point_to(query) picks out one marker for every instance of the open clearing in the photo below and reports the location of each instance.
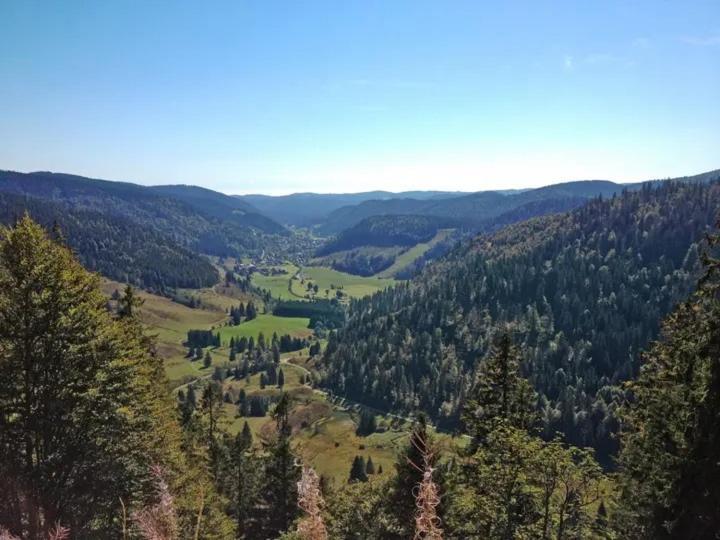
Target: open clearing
(279, 284)
(414, 253)
(323, 433)
(328, 279)
(267, 324)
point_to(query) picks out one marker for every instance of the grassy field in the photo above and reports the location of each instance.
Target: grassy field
(267, 324)
(278, 285)
(170, 322)
(328, 279)
(323, 433)
(412, 254)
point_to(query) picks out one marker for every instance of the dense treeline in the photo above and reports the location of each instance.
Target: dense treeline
(388, 230)
(584, 292)
(85, 417)
(116, 247)
(362, 261)
(328, 313)
(187, 215)
(670, 459)
(91, 447)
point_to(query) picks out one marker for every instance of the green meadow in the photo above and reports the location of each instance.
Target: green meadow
(267, 324)
(328, 279)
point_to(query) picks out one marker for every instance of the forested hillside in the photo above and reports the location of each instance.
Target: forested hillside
(384, 231)
(117, 248)
(151, 237)
(94, 448)
(583, 293)
(190, 216)
(475, 209)
(485, 210)
(224, 207)
(307, 209)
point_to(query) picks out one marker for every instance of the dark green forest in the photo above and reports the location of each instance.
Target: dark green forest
(118, 248)
(94, 447)
(385, 231)
(582, 293)
(195, 219)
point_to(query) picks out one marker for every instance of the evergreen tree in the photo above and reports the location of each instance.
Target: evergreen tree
(128, 302)
(369, 466)
(281, 379)
(357, 470)
(84, 411)
(212, 404)
(669, 459)
(500, 394)
(279, 495)
(243, 478)
(408, 469)
(367, 424)
(207, 360)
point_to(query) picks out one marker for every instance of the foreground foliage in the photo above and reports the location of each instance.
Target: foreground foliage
(83, 411)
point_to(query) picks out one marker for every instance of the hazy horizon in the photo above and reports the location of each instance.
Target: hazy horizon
(279, 98)
(438, 190)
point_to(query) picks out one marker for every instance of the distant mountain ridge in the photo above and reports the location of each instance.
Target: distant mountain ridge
(167, 227)
(474, 209)
(306, 209)
(331, 213)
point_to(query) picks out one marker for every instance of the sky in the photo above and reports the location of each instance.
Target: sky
(341, 96)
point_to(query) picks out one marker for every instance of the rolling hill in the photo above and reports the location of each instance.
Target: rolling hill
(307, 209)
(151, 237)
(485, 209)
(583, 293)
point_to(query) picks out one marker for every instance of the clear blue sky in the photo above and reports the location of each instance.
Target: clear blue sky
(336, 95)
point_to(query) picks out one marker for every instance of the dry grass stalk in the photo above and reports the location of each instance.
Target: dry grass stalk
(5, 535)
(310, 500)
(427, 499)
(159, 521)
(58, 532)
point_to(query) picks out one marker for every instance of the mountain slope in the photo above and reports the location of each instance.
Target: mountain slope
(306, 209)
(479, 210)
(187, 215)
(220, 206)
(116, 247)
(472, 209)
(383, 231)
(583, 291)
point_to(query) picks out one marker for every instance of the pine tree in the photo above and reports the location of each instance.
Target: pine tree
(128, 302)
(669, 458)
(281, 379)
(369, 466)
(279, 495)
(84, 410)
(409, 475)
(243, 478)
(212, 404)
(500, 394)
(207, 361)
(357, 470)
(367, 424)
